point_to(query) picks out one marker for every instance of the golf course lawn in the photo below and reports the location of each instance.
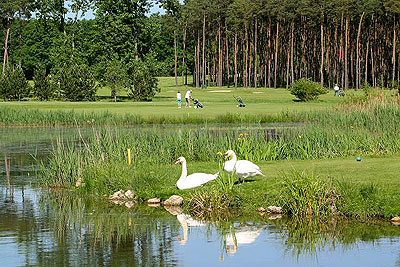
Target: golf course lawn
(217, 101)
(381, 172)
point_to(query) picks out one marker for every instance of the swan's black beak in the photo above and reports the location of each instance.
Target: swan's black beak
(177, 161)
(226, 155)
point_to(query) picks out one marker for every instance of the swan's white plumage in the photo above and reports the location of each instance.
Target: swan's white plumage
(242, 168)
(192, 180)
(241, 236)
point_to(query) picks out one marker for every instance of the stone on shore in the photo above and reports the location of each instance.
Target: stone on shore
(395, 220)
(118, 195)
(155, 200)
(261, 210)
(129, 204)
(274, 209)
(129, 194)
(174, 200)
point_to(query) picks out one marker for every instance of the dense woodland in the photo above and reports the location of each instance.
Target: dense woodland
(249, 43)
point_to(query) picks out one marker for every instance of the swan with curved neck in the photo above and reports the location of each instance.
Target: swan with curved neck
(242, 168)
(193, 180)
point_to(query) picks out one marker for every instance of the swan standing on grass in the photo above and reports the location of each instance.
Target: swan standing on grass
(193, 180)
(242, 168)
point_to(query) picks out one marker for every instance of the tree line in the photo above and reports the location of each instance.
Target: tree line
(249, 43)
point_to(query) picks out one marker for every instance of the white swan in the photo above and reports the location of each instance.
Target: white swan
(242, 236)
(242, 168)
(186, 222)
(193, 180)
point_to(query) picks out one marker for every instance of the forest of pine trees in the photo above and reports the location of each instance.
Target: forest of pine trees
(249, 43)
(270, 43)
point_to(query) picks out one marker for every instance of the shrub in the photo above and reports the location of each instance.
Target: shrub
(77, 83)
(305, 89)
(115, 77)
(43, 88)
(142, 82)
(13, 84)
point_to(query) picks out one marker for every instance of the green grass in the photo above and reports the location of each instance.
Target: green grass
(260, 102)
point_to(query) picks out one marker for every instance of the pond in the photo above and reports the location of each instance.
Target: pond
(45, 227)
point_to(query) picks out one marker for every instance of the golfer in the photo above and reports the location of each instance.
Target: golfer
(336, 89)
(188, 97)
(179, 99)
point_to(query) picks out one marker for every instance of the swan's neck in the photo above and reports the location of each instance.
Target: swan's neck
(234, 159)
(184, 173)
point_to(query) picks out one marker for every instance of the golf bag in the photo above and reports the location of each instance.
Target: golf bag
(197, 104)
(240, 101)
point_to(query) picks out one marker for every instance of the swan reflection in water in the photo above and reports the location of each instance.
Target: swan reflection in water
(241, 235)
(186, 221)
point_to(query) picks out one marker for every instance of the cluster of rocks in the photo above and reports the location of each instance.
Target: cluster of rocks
(121, 198)
(174, 200)
(272, 211)
(128, 199)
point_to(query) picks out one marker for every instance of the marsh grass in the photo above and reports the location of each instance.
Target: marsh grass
(305, 194)
(10, 116)
(217, 199)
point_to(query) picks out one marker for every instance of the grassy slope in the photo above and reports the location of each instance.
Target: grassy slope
(264, 191)
(259, 101)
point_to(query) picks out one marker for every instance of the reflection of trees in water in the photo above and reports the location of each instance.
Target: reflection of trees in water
(101, 233)
(67, 230)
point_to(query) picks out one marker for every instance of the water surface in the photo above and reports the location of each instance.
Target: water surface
(44, 227)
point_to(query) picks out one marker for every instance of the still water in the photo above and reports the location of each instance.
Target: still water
(44, 227)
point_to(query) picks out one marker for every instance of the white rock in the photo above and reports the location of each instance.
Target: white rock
(274, 209)
(174, 200)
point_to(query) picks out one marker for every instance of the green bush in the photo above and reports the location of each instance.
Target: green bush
(43, 88)
(13, 84)
(77, 83)
(115, 77)
(142, 82)
(305, 89)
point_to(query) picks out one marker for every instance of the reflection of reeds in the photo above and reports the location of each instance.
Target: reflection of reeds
(99, 222)
(7, 165)
(309, 235)
(215, 202)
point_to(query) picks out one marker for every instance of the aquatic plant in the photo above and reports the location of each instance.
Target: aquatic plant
(305, 194)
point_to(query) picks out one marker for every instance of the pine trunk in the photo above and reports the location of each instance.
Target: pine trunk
(204, 51)
(235, 77)
(346, 67)
(255, 55)
(358, 53)
(394, 52)
(184, 58)
(321, 70)
(175, 59)
(276, 54)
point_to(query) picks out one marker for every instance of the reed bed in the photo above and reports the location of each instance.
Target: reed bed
(35, 117)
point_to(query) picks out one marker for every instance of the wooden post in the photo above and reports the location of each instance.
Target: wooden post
(129, 156)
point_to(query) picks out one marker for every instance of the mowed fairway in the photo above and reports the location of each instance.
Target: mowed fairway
(216, 101)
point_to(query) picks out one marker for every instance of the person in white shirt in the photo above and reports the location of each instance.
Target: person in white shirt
(336, 89)
(188, 97)
(179, 99)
